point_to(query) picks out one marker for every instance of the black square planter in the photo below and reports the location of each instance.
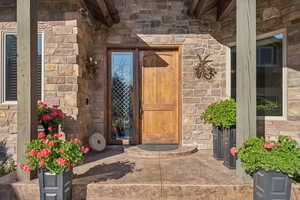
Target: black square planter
(218, 150)
(229, 141)
(271, 186)
(55, 186)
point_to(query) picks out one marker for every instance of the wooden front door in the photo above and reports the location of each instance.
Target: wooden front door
(159, 105)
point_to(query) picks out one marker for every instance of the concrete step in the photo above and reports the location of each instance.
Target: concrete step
(140, 151)
(168, 192)
(96, 191)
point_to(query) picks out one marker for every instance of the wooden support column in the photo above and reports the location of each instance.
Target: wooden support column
(246, 72)
(27, 50)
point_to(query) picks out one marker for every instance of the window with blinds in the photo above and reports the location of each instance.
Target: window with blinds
(10, 68)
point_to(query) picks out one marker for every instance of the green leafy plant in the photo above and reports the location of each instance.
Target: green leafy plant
(7, 163)
(282, 155)
(50, 116)
(54, 154)
(222, 114)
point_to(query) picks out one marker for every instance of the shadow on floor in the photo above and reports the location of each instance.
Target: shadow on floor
(101, 172)
(108, 152)
(105, 172)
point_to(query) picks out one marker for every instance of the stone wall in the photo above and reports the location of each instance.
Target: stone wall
(148, 22)
(71, 39)
(273, 15)
(64, 61)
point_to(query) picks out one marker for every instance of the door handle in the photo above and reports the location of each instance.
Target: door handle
(141, 109)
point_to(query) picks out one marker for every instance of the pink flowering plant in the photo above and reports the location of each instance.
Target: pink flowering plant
(52, 153)
(282, 156)
(50, 116)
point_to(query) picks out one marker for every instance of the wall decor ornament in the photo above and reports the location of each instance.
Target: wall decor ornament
(203, 70)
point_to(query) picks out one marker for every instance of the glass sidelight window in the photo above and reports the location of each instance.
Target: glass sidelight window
(269, 67)
(122, 90)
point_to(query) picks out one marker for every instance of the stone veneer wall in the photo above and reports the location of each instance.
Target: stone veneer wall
(70, 41)
(149, 22)
(273, 15)
(62, 25)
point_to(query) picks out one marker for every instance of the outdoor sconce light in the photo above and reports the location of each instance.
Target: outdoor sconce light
(91, 67)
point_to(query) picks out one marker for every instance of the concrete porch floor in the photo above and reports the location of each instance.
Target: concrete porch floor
(113, 175)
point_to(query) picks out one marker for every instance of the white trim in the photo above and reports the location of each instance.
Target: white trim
(228, 72)
(3, 35)
(43, 67)
(284, 73)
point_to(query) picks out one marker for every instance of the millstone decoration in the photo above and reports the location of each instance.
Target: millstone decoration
(203, 70)
(97, 142)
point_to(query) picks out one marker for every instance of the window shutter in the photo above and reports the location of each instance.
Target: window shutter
(11, 68)
(39, 67)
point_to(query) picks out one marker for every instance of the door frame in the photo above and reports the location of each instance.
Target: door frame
(137, 81)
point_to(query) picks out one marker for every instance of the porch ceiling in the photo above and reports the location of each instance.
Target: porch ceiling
(103, 11)
(222, 8)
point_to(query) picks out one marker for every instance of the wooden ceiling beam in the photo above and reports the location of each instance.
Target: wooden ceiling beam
(204, 6)
(192, 8)
(225, 8)
(104, 9)
(113, 11)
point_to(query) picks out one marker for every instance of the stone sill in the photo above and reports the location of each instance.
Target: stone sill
(8, 106)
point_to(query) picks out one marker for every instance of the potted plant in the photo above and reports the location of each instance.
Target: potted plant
(49, 117)
(222, 116)
(209, 116)
(118, 128)
(273, 165)
(54, 159)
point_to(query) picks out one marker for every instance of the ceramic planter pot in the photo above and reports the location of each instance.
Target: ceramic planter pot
(55, 186)
(218, 150)
(229, 141)
(271, 186)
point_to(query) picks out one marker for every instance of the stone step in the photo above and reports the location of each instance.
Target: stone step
(168, 192)
(140, 151)
(97, 191)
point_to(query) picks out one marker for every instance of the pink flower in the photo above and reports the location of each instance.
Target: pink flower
(50, 143)
(41, 135)
(268, 145)
(85, 149)
(42, 163)
(76, 140)
(49, 128)
(43, 153)
(234, 151)
(55, 114)
(46, 117)
(26, 168)
(57, 135)
(209, 116)
(72, 164)
(62, 115)
(62, 151)
(62, 161)
(33, 152)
